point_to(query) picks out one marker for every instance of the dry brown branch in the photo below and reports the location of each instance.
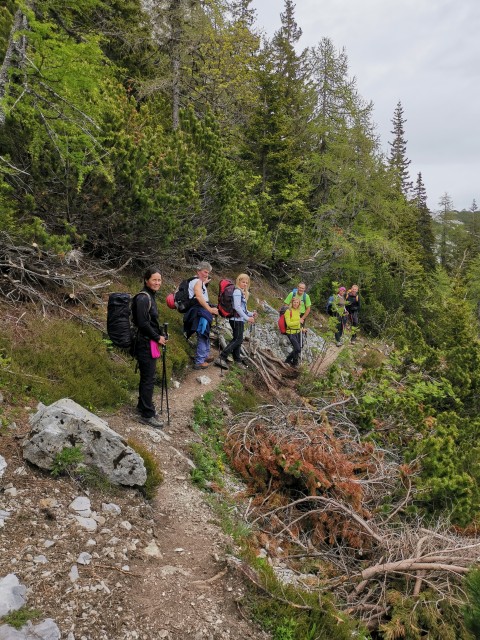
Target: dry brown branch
(320, 489)
(333, 504)
(217, 576)
(28, 274)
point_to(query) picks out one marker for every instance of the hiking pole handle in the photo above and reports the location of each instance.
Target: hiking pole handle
(165, 330)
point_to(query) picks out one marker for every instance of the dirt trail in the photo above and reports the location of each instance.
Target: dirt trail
(187, 592)
(184, 591)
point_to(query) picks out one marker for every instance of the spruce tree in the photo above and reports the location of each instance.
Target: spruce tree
(278, 138)
(398, 160)
(474, 227)
(424, 225)
(446, 205)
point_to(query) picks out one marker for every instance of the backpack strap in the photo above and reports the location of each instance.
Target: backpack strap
(148, 296)
(304, 297)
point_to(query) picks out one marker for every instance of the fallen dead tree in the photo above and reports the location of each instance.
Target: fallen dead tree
(319, 492)
(28, 274)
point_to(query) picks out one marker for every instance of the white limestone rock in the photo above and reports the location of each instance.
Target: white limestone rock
(66, 424)
(12, 594)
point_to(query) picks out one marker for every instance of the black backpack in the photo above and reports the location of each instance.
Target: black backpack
(120, 327)
(182, 300)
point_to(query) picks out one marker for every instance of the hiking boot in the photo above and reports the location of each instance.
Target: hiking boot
(240, 364)
(220, 362)
(200, 366)
(338, 343)
(210, 359)
(152, 422)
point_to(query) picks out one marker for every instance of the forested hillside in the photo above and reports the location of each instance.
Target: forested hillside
(171, 131)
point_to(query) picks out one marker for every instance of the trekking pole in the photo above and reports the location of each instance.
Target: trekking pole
(301, 345)
(164, 375)
(219, 347)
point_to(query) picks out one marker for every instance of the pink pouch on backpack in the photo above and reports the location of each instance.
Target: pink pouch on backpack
(154, 349)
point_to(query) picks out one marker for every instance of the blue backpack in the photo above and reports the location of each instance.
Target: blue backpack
(329, 307)
(304, 297)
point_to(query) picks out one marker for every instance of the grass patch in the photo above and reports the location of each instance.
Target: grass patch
(242, 396)
(208, 454)
(65, 360)
(289, 613)
(154, 473)
(17, 619)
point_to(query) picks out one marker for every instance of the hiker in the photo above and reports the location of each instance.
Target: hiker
(237, 322)
(198, 319)
(145, 318)
(341, 314)
(295, 330)
(305, 302)
(352, 305)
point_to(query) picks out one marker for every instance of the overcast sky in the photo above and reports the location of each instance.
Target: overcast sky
(425, 53)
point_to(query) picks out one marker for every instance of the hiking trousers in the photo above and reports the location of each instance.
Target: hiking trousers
(235, 343)
(148, 373)
(294, 355)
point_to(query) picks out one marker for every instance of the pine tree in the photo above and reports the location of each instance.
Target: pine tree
(446, 206)
(279, 138)
(398, 160)
(474, 227)
(424, 225)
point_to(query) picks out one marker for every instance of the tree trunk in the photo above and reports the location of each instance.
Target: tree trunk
(15, 55)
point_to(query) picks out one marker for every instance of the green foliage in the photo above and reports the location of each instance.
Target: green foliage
(471, 610)
(17, 619)
(36, 233)
(67, 461)
(61, 359)
(6, 19)
(424, 617)
(154, 473)
(207, 454)
(242, 396)
(315, 618)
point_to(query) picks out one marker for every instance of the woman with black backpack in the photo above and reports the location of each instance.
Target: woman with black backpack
(148, 343)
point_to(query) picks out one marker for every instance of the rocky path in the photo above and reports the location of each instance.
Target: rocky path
(139, 571)
(185, 589)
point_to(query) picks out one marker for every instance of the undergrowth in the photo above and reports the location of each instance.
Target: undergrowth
(208, 454)
(17, 619)
(63, 360)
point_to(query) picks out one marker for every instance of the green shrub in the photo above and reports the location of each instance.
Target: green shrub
(471, 611)
(208, 455)
(67, 461)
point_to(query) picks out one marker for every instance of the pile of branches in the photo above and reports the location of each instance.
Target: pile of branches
(28, 274)
(319, 491)
(271, 369)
